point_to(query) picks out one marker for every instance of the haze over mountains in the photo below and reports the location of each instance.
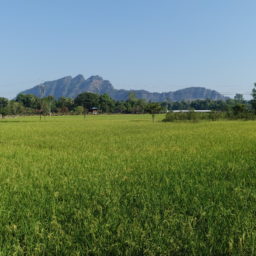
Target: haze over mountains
(71, 87)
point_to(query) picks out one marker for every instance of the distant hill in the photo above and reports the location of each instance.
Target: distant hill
(71, 87)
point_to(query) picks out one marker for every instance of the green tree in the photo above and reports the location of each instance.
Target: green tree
(15, 108)
(45, 106)
(239, 98)
(64, 104)
(28, 100)
(132, 97)
(48, 104)
(42, 103)
(132, 103)
(79, 110)
(238, 109)
(120, 107)
(153, 108)
(139, 106)
(253, 101)
(106, 103)
(3, 106)
(87, 99)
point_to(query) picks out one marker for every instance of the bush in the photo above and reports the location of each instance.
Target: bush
(185, 116)
(79, 110)
(213, 116)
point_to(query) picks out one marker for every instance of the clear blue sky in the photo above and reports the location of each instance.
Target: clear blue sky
(159, 45)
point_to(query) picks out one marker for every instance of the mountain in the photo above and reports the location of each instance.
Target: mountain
(71, 87)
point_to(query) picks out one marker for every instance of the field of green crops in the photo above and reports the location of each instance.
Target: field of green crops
(122, 185)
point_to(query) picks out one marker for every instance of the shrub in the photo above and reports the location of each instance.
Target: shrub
(235, 114)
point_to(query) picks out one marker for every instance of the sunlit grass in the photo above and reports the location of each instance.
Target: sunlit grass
(121, 185)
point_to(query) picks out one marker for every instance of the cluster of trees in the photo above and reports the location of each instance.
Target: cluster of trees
(214, 115)
(83, 103)
(216, 105)
(236, 108)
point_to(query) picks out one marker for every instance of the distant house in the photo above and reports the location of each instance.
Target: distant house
(94, 110)
(196, 111)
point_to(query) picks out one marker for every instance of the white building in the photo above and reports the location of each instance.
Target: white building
(196, 111)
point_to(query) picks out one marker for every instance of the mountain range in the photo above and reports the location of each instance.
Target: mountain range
(71, 87)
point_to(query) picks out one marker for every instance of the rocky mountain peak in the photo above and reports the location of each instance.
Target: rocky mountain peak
(71, 87)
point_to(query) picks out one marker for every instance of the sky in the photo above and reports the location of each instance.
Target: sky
(160, 45)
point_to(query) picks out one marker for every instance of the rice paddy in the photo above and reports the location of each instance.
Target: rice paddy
(122, 185)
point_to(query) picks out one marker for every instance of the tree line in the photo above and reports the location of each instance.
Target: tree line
(28, 104)
(237, 108)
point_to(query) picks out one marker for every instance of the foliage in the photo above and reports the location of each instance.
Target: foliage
(187, 116)
(238, 112)
(3, 106)
(239, 98)
(239, 109)
(106, 103)
(153, 108)
(30, 104)
(253, 101)
(15, 108)
(88, 100)
(28, 100)
(79, 110)
(64, 105)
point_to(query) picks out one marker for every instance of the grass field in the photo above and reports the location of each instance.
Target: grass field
(121, 185)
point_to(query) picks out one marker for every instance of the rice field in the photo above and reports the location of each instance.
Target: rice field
(122, 185)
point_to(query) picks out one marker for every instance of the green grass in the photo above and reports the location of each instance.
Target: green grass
(121, 185)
